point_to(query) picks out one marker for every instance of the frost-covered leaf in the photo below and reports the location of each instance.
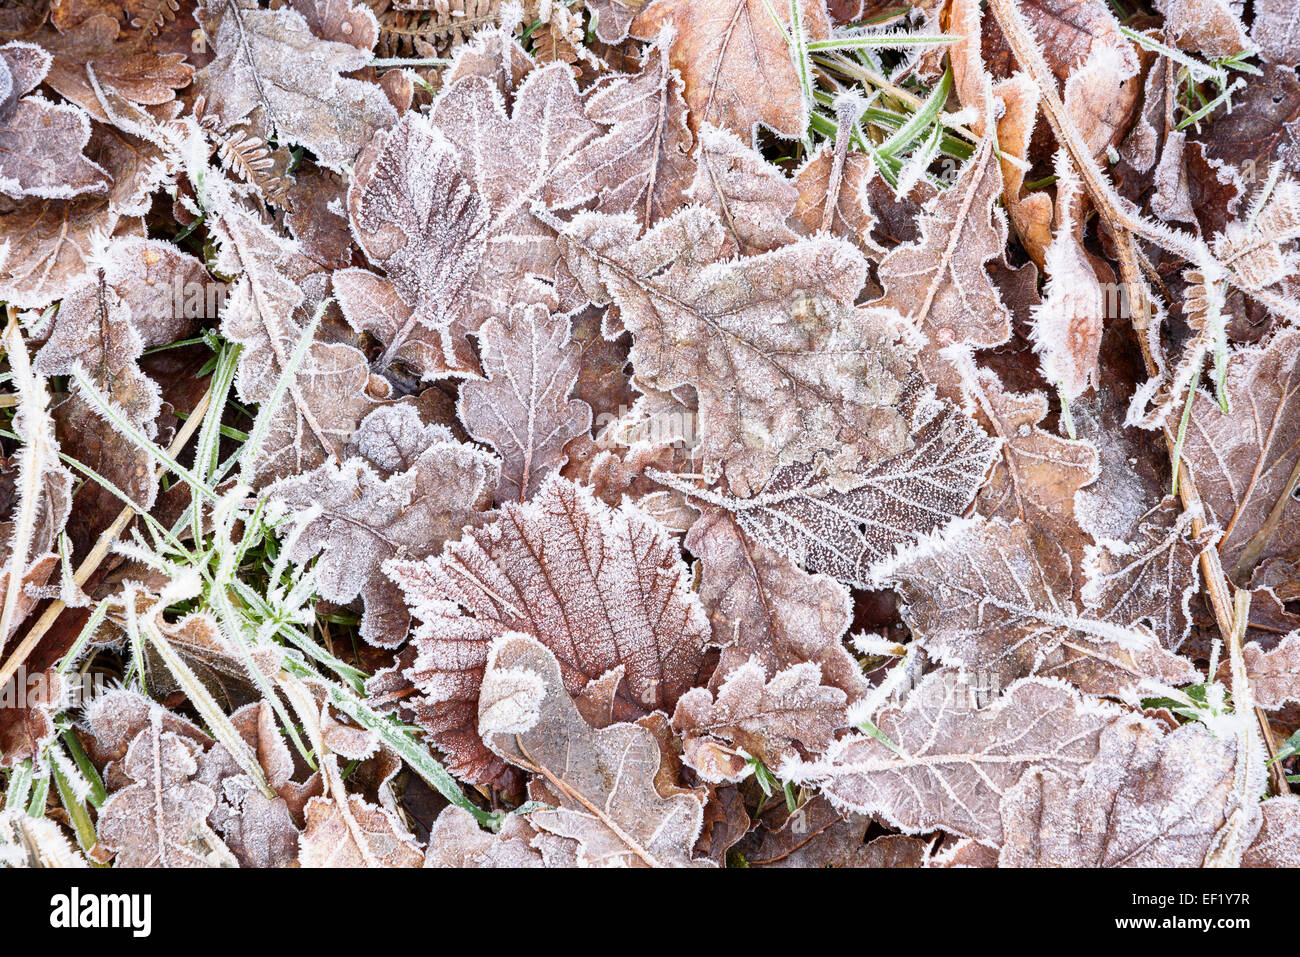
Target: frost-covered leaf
(1278, 841)
(1274, 674)
(265, 312)
(43, 141)
(735, 61)
(357, 834)
(764, 608)
(644, 164)
(784, 365)
(601, 587)
(939, 282)
(955, 762)
(776, 720)
(817, 835)
(1244, 461)
(1151, 579)
(1149, 799)
(1037, 474)
(752, 198)
(46, 245)
(416, 215)
(456, 840)
(848, 215)
(1068, 322)
(599, 782)
(524, 409)
(538, 152)
(413, 488)
(1210, 27)
(996, 598)
(160, 818)
(803, 514)
(270, 59)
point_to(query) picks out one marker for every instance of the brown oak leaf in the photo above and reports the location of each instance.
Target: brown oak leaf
(524, 409)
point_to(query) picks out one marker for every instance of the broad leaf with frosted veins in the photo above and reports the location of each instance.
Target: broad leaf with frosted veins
(416, 215)
(952, 762)
(43, 141)
(1152, 579)
(602, 587)
(1244, 461)
(996, 598)
(850, 534)
(270, 59)
(1149, 799)
(735, 61)
(790, 716)
(599, 782)
(939, 282)
(524, 409)
(644, 163)
(765, 608)
(784, 365)
(370, 513)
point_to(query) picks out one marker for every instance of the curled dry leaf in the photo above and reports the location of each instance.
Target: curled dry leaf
(600, 782)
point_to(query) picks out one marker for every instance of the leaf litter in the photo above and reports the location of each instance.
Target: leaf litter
(725, 432)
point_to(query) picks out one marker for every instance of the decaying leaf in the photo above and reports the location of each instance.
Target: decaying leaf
(600, 782)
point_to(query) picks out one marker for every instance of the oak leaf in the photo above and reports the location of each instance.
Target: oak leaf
(524, 409)
(413, 488)
(270, 59)
(791, 715)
